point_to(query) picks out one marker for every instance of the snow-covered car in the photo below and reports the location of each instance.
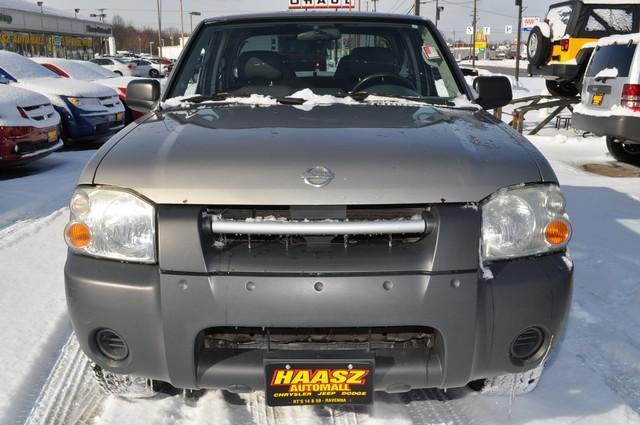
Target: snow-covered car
(89, 71)
(559, 48)
(29, 126)
(88, 111)
(147, 68)
(115, 65)
(610, 103)
(318, 235)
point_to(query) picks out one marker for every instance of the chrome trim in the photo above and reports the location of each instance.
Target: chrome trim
(377, 227)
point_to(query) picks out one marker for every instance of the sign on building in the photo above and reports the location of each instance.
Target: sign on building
(321, 4)
(529, 22)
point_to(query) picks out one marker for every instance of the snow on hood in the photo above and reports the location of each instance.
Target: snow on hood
(620, 39)
(11, 97)
(66, 87)
(311, 100)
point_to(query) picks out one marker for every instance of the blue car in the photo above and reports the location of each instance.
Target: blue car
(89, 111)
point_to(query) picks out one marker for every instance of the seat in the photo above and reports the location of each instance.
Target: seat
(265, 72)
(365, 61)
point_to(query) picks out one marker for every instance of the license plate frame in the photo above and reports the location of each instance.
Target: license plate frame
(319, 380)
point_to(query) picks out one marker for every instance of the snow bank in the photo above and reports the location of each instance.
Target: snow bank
(32, 309)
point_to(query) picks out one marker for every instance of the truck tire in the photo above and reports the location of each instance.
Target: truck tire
(538, 47)
(563, 89)
(624, 152)
(513, 383)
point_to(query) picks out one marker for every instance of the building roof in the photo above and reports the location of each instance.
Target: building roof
(31, 6)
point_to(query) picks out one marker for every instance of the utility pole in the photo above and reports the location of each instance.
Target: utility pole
(181, 25)
(439, 9)
(519, 39)
(375, 5)
(416, 8)
(159, 3)
(473, 37)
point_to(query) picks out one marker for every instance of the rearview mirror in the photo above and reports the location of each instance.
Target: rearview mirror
(494, 92)
(142, 95)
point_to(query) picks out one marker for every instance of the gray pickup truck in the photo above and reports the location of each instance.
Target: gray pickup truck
(318, 207)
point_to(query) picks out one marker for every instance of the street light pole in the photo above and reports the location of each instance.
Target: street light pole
(181, 25)
(151, 43)
(191, 15)
(473, 37)
(416, 8)
(519, 39)
(159, 4)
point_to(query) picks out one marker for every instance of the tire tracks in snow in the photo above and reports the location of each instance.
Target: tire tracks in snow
(70, 395)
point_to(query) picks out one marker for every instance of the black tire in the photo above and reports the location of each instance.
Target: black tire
(538, 47)
(153, 73)
(624, 152)
(562, 88)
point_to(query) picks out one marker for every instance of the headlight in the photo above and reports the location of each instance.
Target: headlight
(83, 102)
(524, 220)
(111, 224)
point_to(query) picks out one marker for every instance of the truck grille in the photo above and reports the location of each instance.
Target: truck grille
(318, 338)
(331, 224)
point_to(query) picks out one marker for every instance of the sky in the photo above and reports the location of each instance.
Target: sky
(455, 17)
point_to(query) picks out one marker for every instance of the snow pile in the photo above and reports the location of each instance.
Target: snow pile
(619, 39)
(607, 73)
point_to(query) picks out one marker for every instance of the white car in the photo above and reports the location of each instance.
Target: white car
(29, 123)
(89, 71)
(118, 66)
(89, 111)
(147, 68)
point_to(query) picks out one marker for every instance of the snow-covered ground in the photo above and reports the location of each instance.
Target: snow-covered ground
(594, 377)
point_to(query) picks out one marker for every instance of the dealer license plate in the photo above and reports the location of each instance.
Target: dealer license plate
(303, 382)
(119, 116)
(597, 99)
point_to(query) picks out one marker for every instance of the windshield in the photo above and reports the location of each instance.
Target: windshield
(21, 68)
(279, 59)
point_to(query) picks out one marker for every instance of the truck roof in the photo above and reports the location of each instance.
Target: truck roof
(314, 16)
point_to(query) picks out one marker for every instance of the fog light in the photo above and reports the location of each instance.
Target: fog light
(111, 345)
(527, 344)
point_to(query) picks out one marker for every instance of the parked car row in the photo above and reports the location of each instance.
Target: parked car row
(48, 102)
(154, 67)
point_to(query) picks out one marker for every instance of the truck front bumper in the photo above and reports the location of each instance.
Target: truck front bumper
(161, 316)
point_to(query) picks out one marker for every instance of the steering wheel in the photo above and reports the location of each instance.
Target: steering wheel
(383, 77)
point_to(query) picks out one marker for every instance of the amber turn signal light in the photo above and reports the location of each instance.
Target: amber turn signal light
(557, 232)
(78, 235)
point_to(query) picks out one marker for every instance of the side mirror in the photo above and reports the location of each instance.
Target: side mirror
(142, 95)
(493, 92)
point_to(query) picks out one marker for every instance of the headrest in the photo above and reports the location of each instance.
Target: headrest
(263, 65)
(364, 61)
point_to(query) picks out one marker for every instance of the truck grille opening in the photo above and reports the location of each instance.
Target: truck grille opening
(527, 343)
(293, 225)
(318, 338)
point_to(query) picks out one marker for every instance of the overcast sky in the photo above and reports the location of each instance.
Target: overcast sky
(456, 16)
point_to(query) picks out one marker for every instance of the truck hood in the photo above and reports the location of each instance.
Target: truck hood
(243, 155)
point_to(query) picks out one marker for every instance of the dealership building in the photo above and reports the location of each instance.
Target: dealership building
(32, 29)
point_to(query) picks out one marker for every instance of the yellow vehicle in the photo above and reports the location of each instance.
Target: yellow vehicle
(560, 47)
